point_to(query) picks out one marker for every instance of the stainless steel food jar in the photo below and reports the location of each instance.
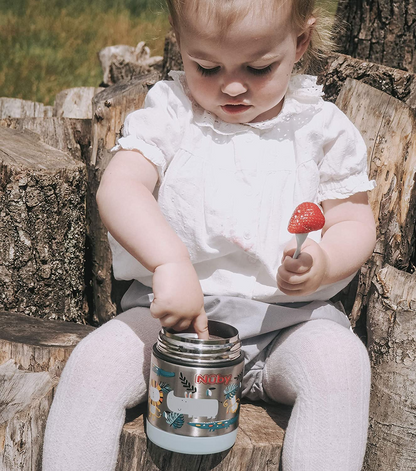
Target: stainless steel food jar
(194, 390)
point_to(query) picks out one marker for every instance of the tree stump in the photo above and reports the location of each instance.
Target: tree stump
(110, 108)
(17, 108)
(42, 228)
(65, 134)
(75, 103)
(388, 126)
(258, 445)
(33, 353)
(337, 68)
(391, 323)
(126, 63)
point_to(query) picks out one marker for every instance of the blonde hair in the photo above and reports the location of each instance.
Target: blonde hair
(227, 12)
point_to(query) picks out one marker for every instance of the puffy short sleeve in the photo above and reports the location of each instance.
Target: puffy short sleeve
(343, 168)
(156, 130)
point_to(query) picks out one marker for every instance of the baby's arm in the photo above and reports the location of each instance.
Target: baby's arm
(348, 239)
(132, 215)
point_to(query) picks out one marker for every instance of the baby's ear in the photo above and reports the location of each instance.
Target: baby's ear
(304, 38)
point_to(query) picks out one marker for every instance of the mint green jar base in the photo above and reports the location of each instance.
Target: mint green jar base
(190, 445)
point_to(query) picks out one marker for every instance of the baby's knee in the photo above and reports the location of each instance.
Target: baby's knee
(107, 351)
(337, 358)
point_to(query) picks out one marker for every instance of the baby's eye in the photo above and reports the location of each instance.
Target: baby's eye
(207, 72)
(262, 71)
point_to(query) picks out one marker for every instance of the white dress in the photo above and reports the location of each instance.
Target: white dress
(229, 190)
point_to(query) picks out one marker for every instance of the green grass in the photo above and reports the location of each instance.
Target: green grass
(50, 45)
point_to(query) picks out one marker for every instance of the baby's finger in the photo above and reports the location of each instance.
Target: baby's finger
(156, 311)
(290, 276)
(183, 324)
(302, 264)
(289, 287)
(200, 324)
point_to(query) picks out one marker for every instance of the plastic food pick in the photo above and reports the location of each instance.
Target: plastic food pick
(307, 217)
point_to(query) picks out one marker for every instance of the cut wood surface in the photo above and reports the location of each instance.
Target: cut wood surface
(75, 102)
(42, 228)
(66, 134)
(38, 344)
(110, 108)
(391, 324)
(388, 127)
(258, 445)
(17, 108)
(33, 353)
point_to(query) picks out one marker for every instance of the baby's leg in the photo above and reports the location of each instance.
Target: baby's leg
(323, 369)
(106, 373)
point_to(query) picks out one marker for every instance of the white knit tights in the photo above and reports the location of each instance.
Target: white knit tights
(319, 366)
(324, 370)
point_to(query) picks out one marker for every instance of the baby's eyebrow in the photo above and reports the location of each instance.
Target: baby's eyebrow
(197, 55)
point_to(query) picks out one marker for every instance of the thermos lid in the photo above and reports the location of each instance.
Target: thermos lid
(223, 345)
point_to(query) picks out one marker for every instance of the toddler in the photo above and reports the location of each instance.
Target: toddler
(197, 200)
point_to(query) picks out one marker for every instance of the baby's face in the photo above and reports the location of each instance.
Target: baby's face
(244, 76)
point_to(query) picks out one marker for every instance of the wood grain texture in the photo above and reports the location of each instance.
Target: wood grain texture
(391, 323)
(388, 127)
(68, 135)
(17, 108)
(75, 102)
(258, 445)
(25, 399)
(38, 344)
(110, 108)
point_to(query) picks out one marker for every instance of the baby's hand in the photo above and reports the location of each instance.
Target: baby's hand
(178, 298)
(304, 275)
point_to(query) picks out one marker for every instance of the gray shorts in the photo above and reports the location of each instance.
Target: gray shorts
(258, 323)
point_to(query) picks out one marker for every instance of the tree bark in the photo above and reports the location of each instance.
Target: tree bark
(42, 228)
(110, 108)
(391, 324)
(337, 68)
(172, 59)
(381, 31)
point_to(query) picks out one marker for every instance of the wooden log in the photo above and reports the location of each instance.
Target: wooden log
(258, 445)
(38, 344)
(337, 68)
(172, 59)
(391, 323)
(388, 127)
(33, 353)
(126, 63)
(25, 399)
(66, 134)
(75, 102)
(42, 228)
(110, 108)
(17, 108)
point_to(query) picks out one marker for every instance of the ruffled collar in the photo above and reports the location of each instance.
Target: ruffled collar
(303, 96)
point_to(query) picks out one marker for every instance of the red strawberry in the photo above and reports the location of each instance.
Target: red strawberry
(307, 217)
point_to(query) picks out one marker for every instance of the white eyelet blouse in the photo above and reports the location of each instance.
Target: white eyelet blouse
(229, 190)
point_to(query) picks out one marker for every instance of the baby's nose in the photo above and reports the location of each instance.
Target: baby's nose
(234, 88)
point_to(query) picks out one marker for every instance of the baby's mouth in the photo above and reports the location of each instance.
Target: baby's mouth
(234, 109)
